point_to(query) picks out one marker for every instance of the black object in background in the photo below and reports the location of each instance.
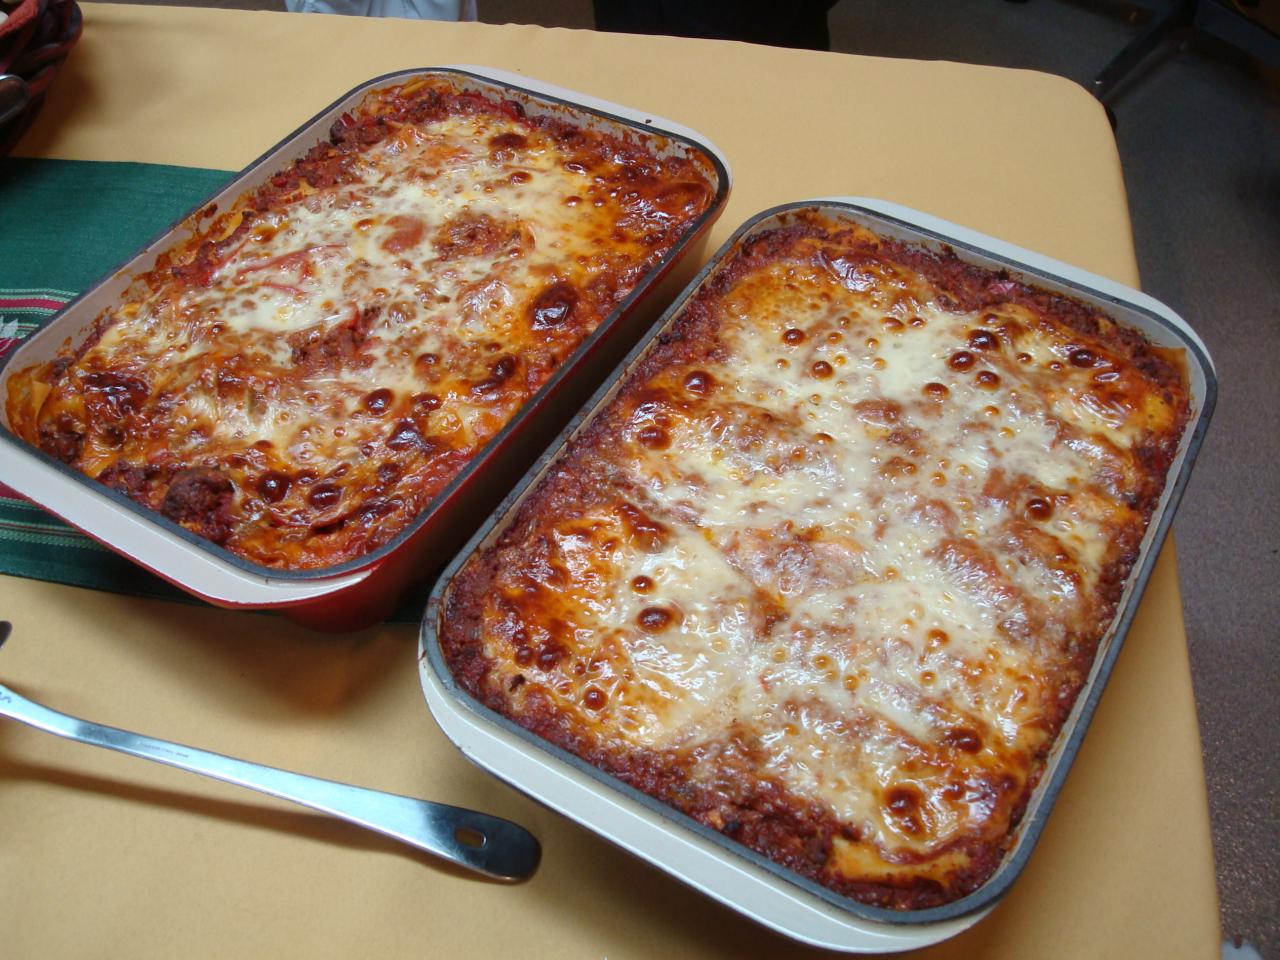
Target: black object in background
(799, 23)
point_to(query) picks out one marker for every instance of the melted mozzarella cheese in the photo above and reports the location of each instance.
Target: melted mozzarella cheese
(313, 267)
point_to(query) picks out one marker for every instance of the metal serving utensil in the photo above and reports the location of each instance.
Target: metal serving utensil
(489, 845)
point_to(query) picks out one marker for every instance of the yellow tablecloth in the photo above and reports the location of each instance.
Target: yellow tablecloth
(106, 856)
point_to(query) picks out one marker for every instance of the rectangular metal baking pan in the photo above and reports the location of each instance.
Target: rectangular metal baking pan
(703, 858)
(361, 591)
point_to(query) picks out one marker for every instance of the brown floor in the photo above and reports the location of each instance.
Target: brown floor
(1199, 136)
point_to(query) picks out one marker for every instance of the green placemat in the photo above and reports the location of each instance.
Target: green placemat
(63, 225)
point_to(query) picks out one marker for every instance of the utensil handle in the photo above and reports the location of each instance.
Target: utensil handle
(489, 845)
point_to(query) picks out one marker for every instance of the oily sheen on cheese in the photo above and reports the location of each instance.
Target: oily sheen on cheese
(297, 381)
(828, 572)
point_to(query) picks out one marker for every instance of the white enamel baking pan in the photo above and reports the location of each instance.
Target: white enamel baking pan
(703, 858)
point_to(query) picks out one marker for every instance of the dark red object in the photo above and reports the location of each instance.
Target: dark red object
(34, 42)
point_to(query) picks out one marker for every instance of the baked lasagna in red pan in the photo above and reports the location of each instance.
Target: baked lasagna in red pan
(297, 379)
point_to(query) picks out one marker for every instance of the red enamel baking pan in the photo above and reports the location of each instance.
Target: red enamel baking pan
(362, 591)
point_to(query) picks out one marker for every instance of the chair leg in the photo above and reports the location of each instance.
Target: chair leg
(1153, 34)
(1238, 30)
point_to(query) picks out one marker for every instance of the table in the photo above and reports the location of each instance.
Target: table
(107, 856)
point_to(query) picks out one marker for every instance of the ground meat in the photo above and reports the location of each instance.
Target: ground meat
(199, 499)
(471, 235)
(62, 438)
(320, 348)
(131, 479)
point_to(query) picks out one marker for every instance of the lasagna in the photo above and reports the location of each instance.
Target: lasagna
(299, 378)
(828, 571)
